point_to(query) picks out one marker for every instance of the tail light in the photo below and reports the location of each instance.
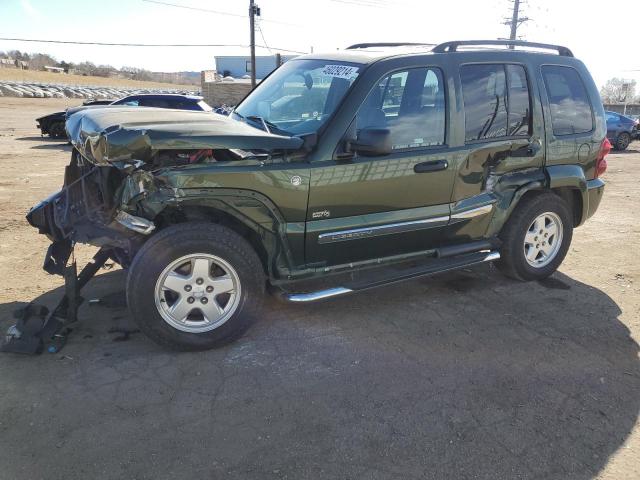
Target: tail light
(601, 161)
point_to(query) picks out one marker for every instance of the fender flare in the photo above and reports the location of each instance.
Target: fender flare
(555, 177)
(250, 208)
(571, 177)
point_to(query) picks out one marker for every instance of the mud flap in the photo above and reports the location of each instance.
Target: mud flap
(36, 326)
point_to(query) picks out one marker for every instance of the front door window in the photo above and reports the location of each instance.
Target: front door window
(411, 104)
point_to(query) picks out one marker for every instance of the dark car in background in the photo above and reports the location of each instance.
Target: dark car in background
(93, 101)
(53, 124)
(621, 130)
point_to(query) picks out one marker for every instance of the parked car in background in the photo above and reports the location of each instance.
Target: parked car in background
(636, 134)
(93, 101)
(54, 124)
(621, 130)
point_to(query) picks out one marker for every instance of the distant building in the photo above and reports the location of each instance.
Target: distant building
(239, 67)
(628, 109)
(12, 63)
(54, 69)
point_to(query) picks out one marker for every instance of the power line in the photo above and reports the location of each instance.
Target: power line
(217, 12)
(362, 3)
(187, 7)
(114, 44)
(262, 36)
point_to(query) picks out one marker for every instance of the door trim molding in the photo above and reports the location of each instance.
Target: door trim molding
(380, 230)
(474, 212)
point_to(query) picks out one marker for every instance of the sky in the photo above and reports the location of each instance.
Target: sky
(603, 39)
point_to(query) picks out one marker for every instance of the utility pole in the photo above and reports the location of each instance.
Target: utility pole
(253, 10)
(516, 20)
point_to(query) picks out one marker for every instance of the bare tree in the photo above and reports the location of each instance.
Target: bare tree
(137, 73)
(85, 68)
(618, 90)
(40, 60)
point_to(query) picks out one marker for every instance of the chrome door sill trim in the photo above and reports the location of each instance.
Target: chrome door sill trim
(319, 295)
(490, 256)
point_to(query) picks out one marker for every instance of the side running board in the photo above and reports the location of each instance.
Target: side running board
(378, 279)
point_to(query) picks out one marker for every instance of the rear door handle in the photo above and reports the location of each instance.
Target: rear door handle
(433, 166)
(529, 150)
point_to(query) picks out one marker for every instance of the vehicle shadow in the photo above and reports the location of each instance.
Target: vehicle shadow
(625, 152)
(52, 143)
(54, 146)
(35, 138)
(463, 375)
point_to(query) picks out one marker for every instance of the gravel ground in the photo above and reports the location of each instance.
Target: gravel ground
(464, 375)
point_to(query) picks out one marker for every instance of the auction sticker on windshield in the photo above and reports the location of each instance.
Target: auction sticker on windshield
(340, 71)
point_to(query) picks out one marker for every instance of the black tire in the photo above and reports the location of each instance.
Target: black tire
(623, 141)
(513, 262)
(56, 130)
(181, 240)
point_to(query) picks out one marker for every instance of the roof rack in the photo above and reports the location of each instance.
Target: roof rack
(453, 46)
(389, 44)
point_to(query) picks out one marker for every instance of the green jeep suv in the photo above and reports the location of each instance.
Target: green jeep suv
(339, 172)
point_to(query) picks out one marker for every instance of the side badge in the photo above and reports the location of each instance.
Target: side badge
(321, 214)
(296, 180)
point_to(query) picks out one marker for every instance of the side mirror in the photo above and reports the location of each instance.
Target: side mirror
(372, 142)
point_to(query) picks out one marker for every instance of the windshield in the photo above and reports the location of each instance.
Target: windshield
(298, 97)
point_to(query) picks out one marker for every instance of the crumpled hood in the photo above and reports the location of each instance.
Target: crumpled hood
(116, 134)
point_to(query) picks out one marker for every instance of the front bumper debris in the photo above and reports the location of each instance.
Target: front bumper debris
(37, 326)
(85, 211)
(81, 204)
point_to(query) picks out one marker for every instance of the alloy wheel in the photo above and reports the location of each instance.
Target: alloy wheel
(543, 239)
(197, 293)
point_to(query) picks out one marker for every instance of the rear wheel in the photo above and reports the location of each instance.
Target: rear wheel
(623, 141)
(195, 286)
(56, 130)
(536, 237)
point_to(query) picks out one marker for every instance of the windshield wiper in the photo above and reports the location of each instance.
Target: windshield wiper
(262, 121)
(267, 126)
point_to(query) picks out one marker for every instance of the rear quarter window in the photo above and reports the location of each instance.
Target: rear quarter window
(569, 103)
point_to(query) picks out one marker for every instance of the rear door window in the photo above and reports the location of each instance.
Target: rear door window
(484, 91)
(496, 101)
(518, 102)
(568, 100)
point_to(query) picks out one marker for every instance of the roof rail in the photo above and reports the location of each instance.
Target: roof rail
(453, 46)
(388, 44)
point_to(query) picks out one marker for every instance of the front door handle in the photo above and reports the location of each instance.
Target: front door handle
(433, 166)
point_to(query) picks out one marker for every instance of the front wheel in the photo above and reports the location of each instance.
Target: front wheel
(536, 237)
(56, 130)
(195, 286)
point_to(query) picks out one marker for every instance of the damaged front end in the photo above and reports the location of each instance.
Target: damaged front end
(86, 210)
(122, 156)
(117, 183)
